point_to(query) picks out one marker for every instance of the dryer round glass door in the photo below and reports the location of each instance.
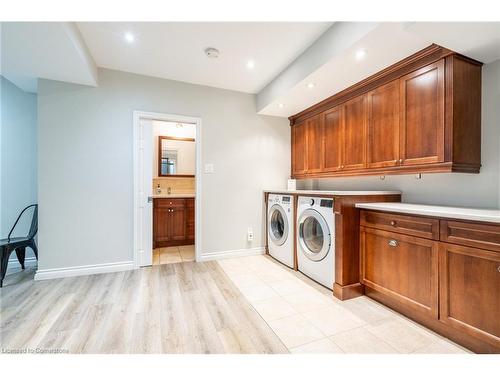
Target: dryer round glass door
(314, 235)
(278, 225)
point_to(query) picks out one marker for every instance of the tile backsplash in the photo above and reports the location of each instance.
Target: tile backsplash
(177, 184)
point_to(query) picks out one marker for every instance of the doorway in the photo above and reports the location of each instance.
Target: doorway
(167, 188)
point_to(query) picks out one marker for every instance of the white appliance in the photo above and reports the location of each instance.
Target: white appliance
(315, 239)
(280, 228)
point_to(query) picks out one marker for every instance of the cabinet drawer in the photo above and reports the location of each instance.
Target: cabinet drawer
(401, 267)
(169, 202)
(484, 236)
(411, 225)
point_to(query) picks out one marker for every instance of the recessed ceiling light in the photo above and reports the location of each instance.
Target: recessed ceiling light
(311, 85)
(212, 53)
(360, 54)
(281, 105)
(251, 64)
(129, 37)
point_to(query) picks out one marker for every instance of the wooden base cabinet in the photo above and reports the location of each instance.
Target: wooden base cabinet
(470, 291)
(418, 266)
(173, 222)
(403, 267)
(422, 114)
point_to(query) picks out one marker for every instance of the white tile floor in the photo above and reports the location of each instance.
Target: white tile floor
(308, 319)
(173, 254)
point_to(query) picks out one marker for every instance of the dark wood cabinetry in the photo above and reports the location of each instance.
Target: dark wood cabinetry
(173, 222)
(442, 273)
(423, 114)
(314, 148)
(403, 267)
(470, 291)
(333, 139)
(299, 147)
(383, 126)
(354, 134)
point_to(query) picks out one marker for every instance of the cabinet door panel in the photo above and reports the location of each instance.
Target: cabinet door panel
(470, 291)
(314, 149)
(355, 115)
(177, 223)
(383, 126)
(422, 115)
(299, 148)
(190, 221)
(160, 224)
(404, 268)
(333, 139)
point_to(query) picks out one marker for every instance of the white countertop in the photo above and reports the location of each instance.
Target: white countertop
(174, 195)
(476, 214)
(333, 192)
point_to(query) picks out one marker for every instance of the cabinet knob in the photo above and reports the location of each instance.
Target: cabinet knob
(393, 243)
(400, 161)
(170, 202)
(498, 268)
(393, 223)
(342, 166)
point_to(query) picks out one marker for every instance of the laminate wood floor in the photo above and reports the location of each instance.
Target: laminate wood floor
(173, 308)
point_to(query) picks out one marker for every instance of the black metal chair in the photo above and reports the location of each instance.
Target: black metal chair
(18, 244)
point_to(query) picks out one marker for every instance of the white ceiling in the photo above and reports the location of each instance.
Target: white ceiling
(175, 50)
(384, 46)
(51, 50)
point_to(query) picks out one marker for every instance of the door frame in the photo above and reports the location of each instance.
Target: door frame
(145, 115)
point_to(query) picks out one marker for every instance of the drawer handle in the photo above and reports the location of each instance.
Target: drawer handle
(393, 243)
(393, 223)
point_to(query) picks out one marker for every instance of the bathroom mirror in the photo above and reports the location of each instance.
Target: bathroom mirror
(176, 156)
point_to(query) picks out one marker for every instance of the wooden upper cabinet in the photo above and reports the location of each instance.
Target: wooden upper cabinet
(314, 149)
(333, 139)
(383, 126)
(299, 147)
(354, 134)
(422, 115)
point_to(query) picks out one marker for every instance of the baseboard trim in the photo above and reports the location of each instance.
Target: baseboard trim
(14, 266)
(231, 254)
(56, 273)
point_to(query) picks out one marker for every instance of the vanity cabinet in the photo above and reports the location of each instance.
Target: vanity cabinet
(173, 222)
(443, 273)
(422, 114)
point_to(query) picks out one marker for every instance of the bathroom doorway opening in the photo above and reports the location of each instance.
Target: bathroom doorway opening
(167, 188)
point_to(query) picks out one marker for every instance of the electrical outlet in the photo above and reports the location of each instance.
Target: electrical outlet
(250, 234)
(209, 168)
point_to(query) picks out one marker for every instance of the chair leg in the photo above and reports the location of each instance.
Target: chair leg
(4, 261)
(34, 248)
(21, 255)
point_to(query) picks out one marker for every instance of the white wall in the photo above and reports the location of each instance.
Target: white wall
(18, 177)
(469, 190)
(85, 164)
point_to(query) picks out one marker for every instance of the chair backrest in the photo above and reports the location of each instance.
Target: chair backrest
(34, 222)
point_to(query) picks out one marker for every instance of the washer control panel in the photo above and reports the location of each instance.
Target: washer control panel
(284, 200)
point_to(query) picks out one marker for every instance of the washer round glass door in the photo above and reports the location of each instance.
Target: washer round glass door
(314, 235)
(278, 225)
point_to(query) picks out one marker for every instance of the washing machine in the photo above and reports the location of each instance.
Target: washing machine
(316, 239)
(280, 228)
